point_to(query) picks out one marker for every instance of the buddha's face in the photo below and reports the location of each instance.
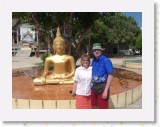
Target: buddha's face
(59, 47)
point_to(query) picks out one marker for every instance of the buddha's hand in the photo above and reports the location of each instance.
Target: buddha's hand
(56, 77)
(61, 76)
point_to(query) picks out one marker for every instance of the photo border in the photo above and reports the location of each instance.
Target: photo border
(144, 114)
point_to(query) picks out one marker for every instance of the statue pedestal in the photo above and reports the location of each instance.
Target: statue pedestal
(23, 89)
(28, 96)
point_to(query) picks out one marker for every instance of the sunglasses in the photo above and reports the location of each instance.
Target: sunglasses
(96, 50)
(86, 60)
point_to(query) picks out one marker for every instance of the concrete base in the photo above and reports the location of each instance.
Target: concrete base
(116, 101)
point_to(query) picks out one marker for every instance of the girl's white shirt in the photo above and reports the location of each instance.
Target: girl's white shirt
(83, 76)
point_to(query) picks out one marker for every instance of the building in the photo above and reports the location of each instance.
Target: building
(24, 37)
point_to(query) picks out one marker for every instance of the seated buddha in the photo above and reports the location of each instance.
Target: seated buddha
(63, 64)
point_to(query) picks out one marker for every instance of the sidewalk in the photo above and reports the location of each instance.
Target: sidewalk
(117, 63)
(24, 62)
(20, 62)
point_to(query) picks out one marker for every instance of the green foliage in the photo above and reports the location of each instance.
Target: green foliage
(115, 29)
(107, 27)
(138, 44)
(44, 56)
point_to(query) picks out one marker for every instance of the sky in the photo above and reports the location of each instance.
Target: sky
(137, 16)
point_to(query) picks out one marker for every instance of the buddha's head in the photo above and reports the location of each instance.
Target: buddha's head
(59, 43)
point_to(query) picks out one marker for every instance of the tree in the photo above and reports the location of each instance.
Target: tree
(75, 26)
(114, 30)
(83, 28)
(138, 44)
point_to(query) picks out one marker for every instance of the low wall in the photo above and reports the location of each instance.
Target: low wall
(116, 101)
(130, 64)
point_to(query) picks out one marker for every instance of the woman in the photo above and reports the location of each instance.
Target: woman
(81, 88)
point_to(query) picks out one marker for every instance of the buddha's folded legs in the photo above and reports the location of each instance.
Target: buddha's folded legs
(67, 81)
(59, 81)
(51, 81)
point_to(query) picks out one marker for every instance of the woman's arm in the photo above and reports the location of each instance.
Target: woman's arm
(74, 88)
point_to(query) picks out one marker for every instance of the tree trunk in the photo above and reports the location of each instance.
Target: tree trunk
(68, 31)
(80, 41)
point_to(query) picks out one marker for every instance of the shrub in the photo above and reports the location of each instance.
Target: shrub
(44, 56)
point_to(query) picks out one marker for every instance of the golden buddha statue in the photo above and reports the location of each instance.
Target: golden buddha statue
(64, 65)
